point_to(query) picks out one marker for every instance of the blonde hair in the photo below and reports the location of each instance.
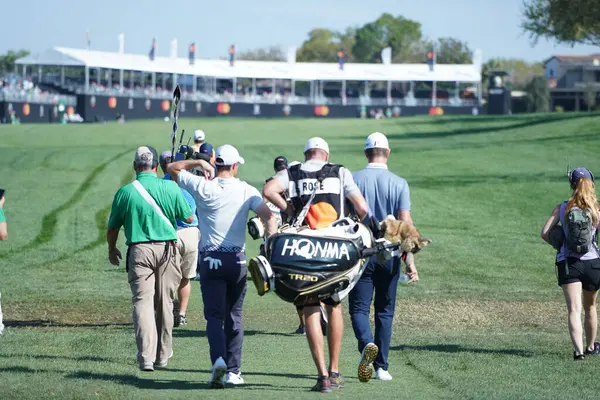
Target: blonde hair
(584, 196)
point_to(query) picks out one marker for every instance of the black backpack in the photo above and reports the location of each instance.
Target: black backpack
(579, 238)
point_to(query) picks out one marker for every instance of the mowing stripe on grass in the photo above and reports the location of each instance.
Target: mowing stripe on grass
(100, 218)
(50, 220)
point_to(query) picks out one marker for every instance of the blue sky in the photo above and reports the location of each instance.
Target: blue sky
(491, 25)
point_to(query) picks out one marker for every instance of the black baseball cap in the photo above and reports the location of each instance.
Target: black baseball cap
(280, 163)
(206, 148)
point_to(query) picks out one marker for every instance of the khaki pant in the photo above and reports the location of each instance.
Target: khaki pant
(154, 276)
(187, 243)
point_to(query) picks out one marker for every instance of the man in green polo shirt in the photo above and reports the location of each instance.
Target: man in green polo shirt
(3, 236)
(147, 209)
(3, 226)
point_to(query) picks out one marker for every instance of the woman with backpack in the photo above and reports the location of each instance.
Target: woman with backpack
(578, 260)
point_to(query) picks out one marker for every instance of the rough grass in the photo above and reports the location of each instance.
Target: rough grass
(486, 320)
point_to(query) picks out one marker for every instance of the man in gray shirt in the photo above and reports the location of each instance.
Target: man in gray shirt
(387, 194)
(223, 206)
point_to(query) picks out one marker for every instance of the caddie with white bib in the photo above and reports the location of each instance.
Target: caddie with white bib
(316, 259)
(147, 209)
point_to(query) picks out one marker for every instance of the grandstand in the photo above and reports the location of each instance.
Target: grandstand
(91, 72)
(101, 85)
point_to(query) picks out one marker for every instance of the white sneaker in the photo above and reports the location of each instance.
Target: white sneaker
(383, 375)
(217, 379)
(234, 379)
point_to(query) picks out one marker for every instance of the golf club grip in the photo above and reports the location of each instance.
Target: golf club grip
(369, 252)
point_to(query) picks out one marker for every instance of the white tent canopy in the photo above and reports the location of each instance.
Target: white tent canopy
(62, 56)
(51, 57)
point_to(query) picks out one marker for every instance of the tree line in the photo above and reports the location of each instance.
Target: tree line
(363, 44)
(7, 61)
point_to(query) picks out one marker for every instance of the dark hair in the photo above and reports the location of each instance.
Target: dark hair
(167, 160)
(376, 152)
(280, 163)
(224, 167)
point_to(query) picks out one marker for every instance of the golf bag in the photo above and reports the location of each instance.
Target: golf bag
(299, 264)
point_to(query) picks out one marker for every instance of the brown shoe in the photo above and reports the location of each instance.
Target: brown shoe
(323, 385)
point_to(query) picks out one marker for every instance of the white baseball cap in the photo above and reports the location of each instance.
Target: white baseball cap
(377, 140)
(199, 135)
(316, 143)
(146, 154)
(227, 155)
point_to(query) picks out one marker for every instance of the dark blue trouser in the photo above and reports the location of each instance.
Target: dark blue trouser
(223, 284)
(383, 280)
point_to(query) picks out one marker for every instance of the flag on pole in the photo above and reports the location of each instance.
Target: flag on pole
(192, 53)
(87, 39)
(152, 50)
(477, 58)
(173, 48)
(231, 54)
(341, 58)
(121, 43)
(386, 56)
(431, 59)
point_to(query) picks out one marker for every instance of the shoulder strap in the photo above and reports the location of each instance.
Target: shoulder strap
(150, 200)
(342, 194)
(293, 177)
(561, 215)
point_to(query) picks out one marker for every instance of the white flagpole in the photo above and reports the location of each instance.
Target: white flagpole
(121, 43)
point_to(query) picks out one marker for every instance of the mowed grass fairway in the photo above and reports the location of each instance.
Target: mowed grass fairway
(486, 321)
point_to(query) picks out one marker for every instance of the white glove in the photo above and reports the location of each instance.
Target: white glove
(214, 263)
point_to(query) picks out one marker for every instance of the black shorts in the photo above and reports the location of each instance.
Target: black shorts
(314, 301)
(585, 271)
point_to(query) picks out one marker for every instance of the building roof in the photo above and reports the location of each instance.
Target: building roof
(300, 71)
(51, 57)
(575, 59)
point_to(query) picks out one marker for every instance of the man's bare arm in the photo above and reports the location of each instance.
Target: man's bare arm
(111, 238)
(175, 168)
(114, 254)
(268, 219)
(404, 215)
(360, 204)
(273, 191)
(3, 230)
